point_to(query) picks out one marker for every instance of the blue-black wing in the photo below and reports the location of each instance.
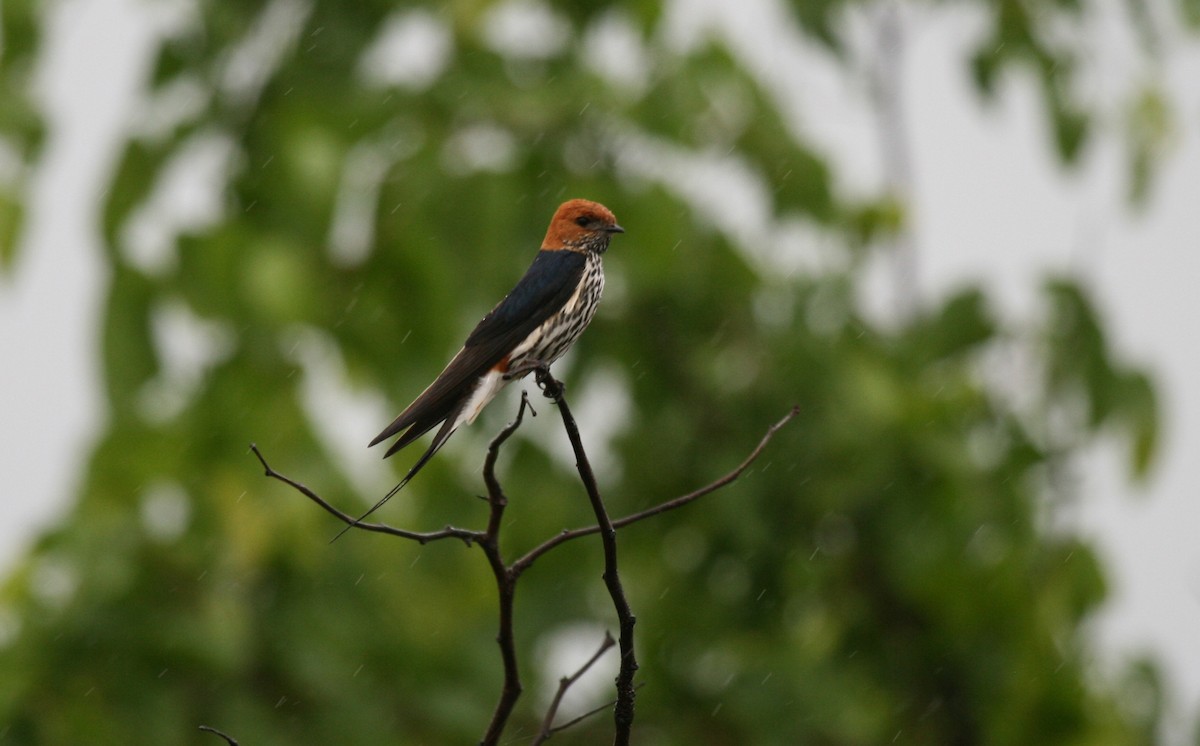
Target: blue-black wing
(546, 287)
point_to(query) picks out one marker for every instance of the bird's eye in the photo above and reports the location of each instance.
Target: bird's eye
(582, 221)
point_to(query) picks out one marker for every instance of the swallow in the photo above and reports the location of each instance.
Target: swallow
(533, 326)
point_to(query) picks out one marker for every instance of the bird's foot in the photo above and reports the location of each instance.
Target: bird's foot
(551, 387)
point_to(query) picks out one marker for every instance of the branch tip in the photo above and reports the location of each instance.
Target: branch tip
(268, 471)
(228, 739)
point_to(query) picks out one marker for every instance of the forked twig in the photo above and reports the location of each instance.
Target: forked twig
(488, 541)
(524, 562)
(594, 711)
(564, 684)
(507, 574)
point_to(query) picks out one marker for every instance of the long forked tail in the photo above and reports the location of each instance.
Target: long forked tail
(439, 440)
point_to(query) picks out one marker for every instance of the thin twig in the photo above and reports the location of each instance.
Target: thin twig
(228, 739)
(524, 562)
(449, 532)
(624, 711)
(588, 714)
(563, 685)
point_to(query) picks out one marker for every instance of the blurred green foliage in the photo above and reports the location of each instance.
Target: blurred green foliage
(885, 574)
(20, 126)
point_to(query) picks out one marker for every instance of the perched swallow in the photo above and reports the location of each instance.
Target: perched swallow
(534, 325)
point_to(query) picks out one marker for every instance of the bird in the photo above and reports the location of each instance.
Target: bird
(533, 326)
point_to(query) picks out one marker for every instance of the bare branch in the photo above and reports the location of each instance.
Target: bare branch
(588, 714)
(506, 583)
(449, 532)
(524, 562)
(624, 710)
(506, 575)
(228, 739)
(487, 540)
(564, 684)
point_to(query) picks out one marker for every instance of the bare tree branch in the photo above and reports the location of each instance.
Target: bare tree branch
(524, 562)
(506, 575)
(624, 711)
(228, 739)
(488, 541)
(564, 684)
(588, 714)
(506, 583)
(449, 532)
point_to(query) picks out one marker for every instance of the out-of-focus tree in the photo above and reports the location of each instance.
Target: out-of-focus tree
(383, 174)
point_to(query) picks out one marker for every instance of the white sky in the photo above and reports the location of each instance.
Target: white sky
(989, 204)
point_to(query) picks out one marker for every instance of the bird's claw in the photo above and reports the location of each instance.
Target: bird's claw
(551, 387)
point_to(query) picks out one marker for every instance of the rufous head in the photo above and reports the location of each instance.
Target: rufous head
(580, 225)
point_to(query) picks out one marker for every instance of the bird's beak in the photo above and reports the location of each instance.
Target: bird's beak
(614, 228)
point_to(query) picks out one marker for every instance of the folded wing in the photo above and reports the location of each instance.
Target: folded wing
(546, 287)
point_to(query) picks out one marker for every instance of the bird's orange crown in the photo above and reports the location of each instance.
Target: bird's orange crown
(578, 224)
